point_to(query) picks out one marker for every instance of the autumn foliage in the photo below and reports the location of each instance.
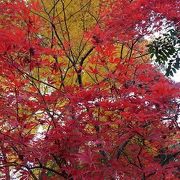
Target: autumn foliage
(95, 109)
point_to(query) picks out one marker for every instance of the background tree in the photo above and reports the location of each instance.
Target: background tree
(165, 51)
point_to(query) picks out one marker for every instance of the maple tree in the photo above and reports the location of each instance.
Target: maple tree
(119, 123)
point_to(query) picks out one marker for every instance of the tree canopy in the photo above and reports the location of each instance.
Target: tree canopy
(79, 96)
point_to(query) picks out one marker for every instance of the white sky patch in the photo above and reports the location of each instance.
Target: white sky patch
(176, 76)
